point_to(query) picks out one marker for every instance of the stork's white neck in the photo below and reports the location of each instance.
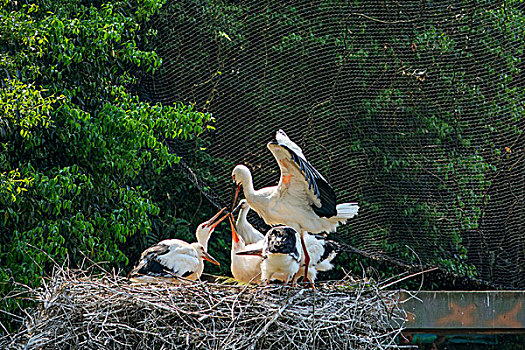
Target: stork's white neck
(248, 190)
(203, 237)
(243, 215)
(258, 200)
(247, 187)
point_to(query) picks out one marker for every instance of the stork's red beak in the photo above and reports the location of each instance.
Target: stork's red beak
(235, 237)
(210, 258)
(255, 252)
(212, 223)
(237, 208)
(236, 196)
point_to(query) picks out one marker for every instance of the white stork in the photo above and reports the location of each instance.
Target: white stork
(245, 268)
(303, 199)
(177, 258)
(281, 253)
(249, 233)
(321, 250)
(172, 258)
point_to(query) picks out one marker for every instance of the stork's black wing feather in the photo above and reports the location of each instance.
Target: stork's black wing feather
(282, 240)
(153, 268)
(156, 250)
(321, 187)
(329, 248)
(187, 273)
(328, 201)
(148, 265)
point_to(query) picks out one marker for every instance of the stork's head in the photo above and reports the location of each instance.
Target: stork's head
(244, 208)
(205, 229)
(201, 252)
(241, 174)
(282, 239)
(244, 204)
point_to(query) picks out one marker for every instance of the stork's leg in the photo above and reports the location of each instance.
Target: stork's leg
(294, 278)
(306, 260)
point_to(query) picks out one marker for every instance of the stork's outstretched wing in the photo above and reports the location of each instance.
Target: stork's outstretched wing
(297, 174)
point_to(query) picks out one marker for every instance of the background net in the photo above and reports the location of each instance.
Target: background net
(415, 109)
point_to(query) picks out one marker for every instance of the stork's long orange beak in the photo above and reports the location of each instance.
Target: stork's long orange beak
(237, 208)
(212, 223)
(235, 237)
(210, 258)
(255, 252)
(236, 196)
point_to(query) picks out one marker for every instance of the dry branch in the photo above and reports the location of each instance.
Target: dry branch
(83, 311)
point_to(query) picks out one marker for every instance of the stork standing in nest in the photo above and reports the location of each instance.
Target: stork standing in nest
(321, 250)
(245, 268)
(281, 254)
(303, 199)
(176, 258)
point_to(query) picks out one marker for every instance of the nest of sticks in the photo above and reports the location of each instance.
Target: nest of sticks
(82, 310)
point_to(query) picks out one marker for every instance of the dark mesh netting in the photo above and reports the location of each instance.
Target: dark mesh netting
(414, 109)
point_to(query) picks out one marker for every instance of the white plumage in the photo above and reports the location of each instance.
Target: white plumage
(321, 251)
(248, 233)
(245, 268)
(281, 253)
(177, 258)
(303, 199)
(172, 258)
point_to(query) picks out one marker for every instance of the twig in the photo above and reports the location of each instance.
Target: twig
(96, 308)
(409, 276)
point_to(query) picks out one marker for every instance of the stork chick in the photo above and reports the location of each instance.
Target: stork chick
(281, 252)
(245, 268)
(172, 258)
(177, 258)
(321, 250)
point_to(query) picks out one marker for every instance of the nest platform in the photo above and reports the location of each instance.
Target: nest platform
(81, 310)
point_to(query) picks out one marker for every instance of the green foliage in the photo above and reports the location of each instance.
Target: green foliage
(435, 114)
(77, 151)
(23, 107)
(426, 97)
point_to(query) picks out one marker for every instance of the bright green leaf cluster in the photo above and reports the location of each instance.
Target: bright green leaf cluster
(82, 161)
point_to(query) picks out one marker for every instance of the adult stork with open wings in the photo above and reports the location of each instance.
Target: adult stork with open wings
(176, 258)
(303, 199)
